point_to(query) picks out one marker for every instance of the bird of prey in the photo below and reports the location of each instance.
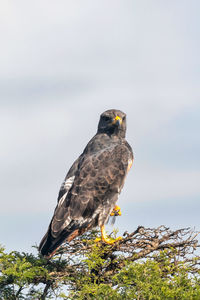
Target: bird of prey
(91, 188)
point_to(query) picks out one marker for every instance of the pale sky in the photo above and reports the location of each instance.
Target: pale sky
(62, 64)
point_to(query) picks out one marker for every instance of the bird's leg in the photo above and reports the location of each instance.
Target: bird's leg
(116, 211)
(105, 238)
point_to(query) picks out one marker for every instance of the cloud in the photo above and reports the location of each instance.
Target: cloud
(64, 63)
(151, 184)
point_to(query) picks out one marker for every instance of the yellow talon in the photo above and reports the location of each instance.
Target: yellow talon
(116, 211)
(105, 238)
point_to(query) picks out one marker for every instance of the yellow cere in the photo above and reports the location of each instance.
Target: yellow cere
(118, 118)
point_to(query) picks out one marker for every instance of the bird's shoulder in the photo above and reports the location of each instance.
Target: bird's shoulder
(103, 142)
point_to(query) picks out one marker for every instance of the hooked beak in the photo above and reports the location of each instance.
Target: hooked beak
(117, 120)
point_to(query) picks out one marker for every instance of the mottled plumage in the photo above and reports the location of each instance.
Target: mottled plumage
(91, 188)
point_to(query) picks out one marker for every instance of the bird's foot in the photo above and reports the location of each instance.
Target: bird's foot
(108, 240)
(104, 238)
(111, 241)
(116, 211)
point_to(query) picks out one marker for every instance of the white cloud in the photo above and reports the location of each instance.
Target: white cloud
(63, 63)
(25, 130)
(151, 184)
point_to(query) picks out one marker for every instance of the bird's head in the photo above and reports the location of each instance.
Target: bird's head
(113, 121)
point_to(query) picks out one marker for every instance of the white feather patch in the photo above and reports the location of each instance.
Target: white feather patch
(66, 185)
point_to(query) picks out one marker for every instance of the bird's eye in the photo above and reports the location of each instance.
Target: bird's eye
(105, 118)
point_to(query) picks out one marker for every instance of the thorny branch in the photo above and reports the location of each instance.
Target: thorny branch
(140, 244)
(74, 260)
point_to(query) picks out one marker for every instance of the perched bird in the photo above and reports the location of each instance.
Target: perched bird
(91, 188)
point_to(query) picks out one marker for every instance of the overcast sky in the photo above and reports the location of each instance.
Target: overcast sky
(62, 63)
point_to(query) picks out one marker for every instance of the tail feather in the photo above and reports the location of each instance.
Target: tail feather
(49, 244)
